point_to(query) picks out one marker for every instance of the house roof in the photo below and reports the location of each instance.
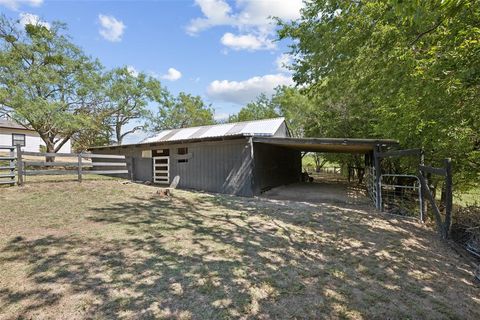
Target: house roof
(264, 128)
(4, 123)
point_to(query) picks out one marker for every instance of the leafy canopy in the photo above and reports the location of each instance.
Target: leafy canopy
(184, 110)
(128, 94)
(46, 82)
(408, 70)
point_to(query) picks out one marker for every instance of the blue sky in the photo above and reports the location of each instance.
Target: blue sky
(221, 50)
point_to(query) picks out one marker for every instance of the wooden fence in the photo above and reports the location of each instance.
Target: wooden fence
(443, 225)
(24, 164)
(424, 174)
(7, 165)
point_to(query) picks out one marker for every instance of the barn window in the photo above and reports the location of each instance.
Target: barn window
(18, 138)
(160, 152)
(182, 151)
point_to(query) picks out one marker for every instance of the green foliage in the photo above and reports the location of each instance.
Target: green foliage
(182, 111)
(394, 69)
(261, 108)
(46, 82)
(286, 102)
(128, 95)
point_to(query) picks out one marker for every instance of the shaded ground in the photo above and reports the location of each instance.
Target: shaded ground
(106, 250)
(327, 188)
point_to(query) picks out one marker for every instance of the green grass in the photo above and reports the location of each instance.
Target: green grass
(308, 163)
(470, 197)
(107, 250)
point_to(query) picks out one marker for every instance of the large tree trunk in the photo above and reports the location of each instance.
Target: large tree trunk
(50, 145)
(118, 134)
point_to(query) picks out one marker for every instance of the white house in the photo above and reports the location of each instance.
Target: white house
(12, 133)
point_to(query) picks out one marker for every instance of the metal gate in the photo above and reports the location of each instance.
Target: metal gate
(401, 194)
(161, 169)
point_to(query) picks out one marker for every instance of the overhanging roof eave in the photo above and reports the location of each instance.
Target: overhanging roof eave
(333, 145)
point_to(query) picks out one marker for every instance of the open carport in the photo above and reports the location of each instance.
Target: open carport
(277, 167)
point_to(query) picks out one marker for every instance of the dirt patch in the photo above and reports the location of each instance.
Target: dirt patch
(103, 249)
(322, 190)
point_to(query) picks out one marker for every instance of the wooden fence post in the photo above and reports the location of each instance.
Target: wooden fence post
(448, 197)
(79, 167)
(423, 208)
(19, 165)
(378, 172)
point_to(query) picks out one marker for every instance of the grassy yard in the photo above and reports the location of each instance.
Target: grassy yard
(107, 250)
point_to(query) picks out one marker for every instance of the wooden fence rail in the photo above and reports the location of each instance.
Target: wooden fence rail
(18, 166)
(7, 166)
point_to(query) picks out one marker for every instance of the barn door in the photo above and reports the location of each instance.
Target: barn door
(161, 169)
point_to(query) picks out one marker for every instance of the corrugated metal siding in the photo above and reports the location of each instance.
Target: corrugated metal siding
(282, 131)
(221, 166)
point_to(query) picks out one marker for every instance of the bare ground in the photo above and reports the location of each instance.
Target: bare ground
(107, 250)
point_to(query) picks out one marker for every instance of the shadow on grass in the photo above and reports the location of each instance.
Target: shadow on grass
(213, 256)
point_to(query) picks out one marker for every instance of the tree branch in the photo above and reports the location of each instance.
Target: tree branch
(433, 28)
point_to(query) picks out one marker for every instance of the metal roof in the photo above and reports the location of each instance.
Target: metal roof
(4, 123)
(266, 127)
(335, 145)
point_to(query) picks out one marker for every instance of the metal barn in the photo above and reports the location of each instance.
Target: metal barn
(244, 158)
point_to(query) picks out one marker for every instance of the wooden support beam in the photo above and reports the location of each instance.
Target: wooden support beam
(433, 170)
(79, 168)
(20, 172)
(106, 164)
(436, 210)
(49, 154)
(378, 173)
(102, 156)
(50, 164)
(400, 153)
(448, 196)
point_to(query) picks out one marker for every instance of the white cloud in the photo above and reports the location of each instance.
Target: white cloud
(216, 12)
(246, 42)
(220, 116)
(15, 4)
(111, 28)
(252, 18)
(248, 13)
(242, 92)
(283, 61)
(29, 18)
(248, 16)
(172, 74)
(132, 71)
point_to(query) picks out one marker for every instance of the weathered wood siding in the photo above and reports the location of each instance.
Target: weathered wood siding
(274, 166)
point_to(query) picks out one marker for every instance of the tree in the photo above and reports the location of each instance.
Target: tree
(394, 69)
(46, 82)
(295, 106)
(182, 111)
(128, 95)
(261, 108)
(286, 102)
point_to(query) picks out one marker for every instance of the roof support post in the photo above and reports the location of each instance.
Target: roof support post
(378, 173)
